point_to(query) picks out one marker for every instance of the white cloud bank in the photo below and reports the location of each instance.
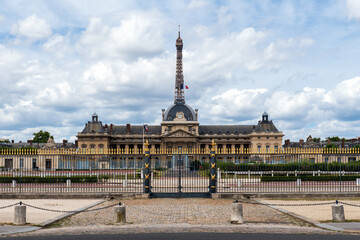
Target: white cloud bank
(32, 27)
(311, 111)
(353, 8)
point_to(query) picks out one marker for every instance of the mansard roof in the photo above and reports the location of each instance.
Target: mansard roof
(136, 129)
(236, 129)
(225, 129)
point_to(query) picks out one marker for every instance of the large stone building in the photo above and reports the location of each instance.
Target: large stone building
(180, 129)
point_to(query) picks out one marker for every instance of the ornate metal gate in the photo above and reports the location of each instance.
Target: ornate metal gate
(177, 174)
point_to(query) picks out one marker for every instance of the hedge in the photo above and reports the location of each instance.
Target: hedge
(302, 166)
(54, 179)
(307, 178)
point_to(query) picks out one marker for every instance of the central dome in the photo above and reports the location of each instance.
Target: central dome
(189, 113)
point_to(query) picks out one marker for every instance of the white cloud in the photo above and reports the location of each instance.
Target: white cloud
(353, 8)
(313, 111)
(137, 36)
(32, 27)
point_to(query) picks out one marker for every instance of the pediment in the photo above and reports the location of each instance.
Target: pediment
(179, 133)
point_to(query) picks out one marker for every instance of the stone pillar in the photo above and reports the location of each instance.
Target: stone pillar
(120, 212)
(338, 214)
(147, 169)
(213, 175)
(68, 182)
(20, 215)
(236, 213)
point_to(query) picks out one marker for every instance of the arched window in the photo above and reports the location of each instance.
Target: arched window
(101, 145)
(92, 146)
(83, 146)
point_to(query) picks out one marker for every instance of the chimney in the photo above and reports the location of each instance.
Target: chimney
(196, 112)
(328, 141)
(343, 143)
(287, 142)
(13, 141)
(301, 142)
(111, 128)
(106, 126)
(76, 143)
(163, 114)
(128, 128)
(30, 141)
(64, 143)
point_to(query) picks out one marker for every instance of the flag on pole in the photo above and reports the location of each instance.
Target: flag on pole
(146, 127)
(186, 87)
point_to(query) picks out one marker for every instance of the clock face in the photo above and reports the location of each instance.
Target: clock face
(180, 116)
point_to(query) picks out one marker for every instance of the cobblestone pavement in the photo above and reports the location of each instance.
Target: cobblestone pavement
(179, 215)
(169, 211)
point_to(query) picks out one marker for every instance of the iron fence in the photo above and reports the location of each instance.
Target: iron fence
(174, 170)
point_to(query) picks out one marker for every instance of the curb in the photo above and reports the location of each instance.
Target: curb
(305, 219)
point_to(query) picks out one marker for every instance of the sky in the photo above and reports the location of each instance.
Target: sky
(61, 61)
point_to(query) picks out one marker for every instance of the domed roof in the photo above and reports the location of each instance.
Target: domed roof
(189, 113)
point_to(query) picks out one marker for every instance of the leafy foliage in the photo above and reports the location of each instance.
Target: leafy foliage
(41, 136)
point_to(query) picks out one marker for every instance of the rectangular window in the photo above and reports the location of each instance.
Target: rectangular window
(48, 164)
(259, 148)
(21, 163)
(34, 164)
(326, 160)
(8, 164)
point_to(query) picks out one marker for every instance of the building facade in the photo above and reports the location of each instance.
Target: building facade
(180, 129)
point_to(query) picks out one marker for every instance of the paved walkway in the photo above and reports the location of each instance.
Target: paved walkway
(179, 215)
(36, 218)
(319, 213)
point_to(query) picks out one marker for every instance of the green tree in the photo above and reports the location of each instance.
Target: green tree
(41, 136)
(316, 139)
(330, 145)
(334, 139)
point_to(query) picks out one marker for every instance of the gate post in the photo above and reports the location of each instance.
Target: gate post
(213, 175)
(147, 169)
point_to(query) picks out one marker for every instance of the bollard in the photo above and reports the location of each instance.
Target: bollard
(249, 173)
(358, 182)
(239, 182)
(338, 214)
(13, 183)
(120, 212)
(20, 215)
(236, 213)
(125, 181)
(142, 174)
(298, 182)
(272, 173)
(68, 182)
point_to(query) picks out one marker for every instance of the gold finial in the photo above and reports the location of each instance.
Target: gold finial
(213, 143)
(146, 144)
